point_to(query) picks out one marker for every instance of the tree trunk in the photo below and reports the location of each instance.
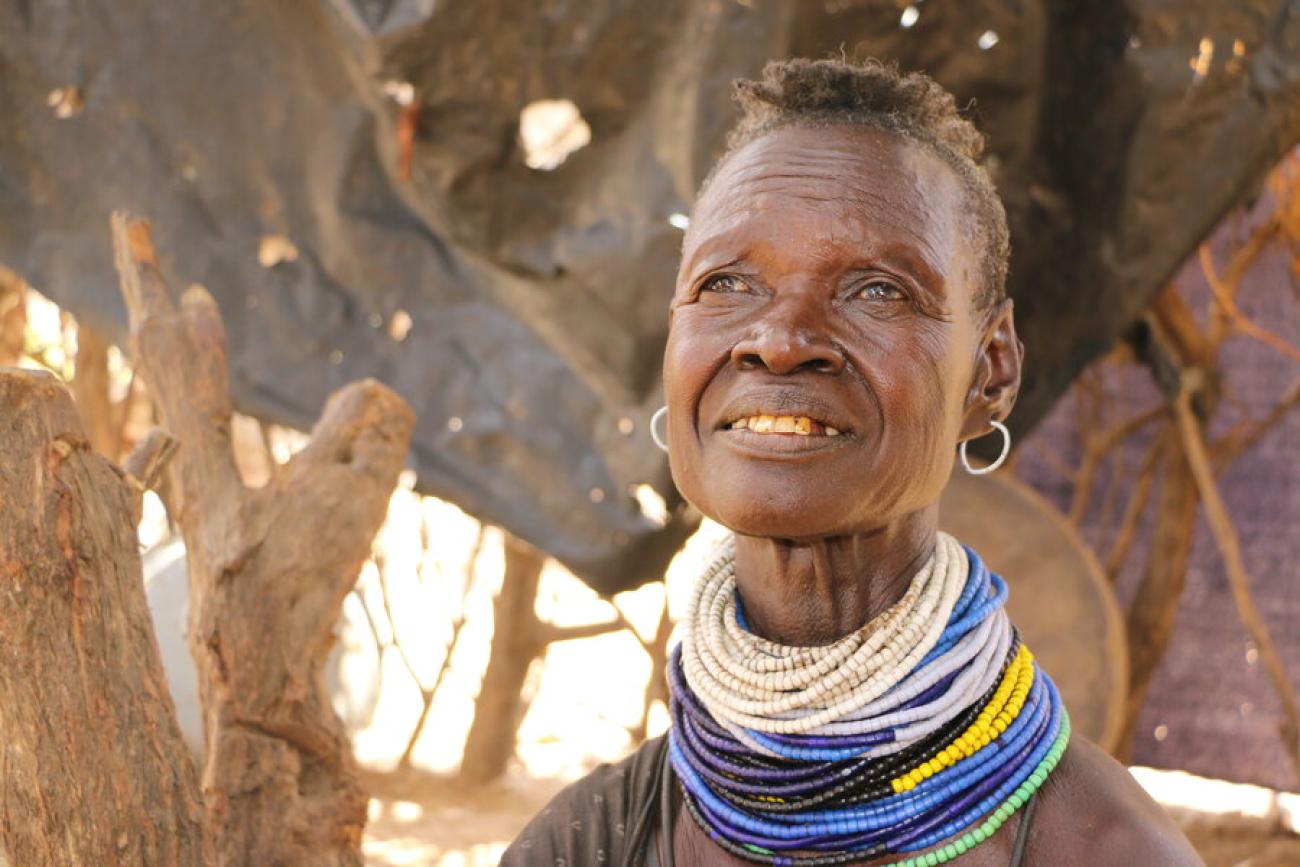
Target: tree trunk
(516, 642)
(92, 767)
(269, 569)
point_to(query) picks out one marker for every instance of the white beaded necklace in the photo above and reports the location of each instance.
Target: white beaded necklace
(747, 682)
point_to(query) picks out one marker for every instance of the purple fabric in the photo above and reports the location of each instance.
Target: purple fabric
(1211, 708)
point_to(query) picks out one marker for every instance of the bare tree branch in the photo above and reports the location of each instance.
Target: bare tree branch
(1224, 294)
(1225, 534)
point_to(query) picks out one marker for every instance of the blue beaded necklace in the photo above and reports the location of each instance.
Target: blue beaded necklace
(945, 750)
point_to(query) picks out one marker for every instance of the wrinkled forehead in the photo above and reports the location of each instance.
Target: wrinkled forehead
(857, 187)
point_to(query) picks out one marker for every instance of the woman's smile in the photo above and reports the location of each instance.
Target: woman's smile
(769, 423)
(782, 446)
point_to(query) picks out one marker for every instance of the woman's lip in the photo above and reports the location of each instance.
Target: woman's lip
(786, 445)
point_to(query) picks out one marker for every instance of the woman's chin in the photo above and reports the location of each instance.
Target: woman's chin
(775, 520)
(821, 509)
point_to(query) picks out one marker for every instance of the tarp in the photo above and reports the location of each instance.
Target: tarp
(1212, 707)
(1121, 132)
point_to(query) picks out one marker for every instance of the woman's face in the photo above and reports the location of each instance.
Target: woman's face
(825, 355)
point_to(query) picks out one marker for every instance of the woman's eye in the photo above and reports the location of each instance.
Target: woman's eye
(725, 283)
(881, 290)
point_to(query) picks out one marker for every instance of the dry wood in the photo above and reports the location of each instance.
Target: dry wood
(13, 316)
(519, 637)
(1179, 335)
(90, 387)
(1235, 444)
(656, 688)
(1150, 619)
(1137, 504)
(427, 695)
(1225, 534)
(1097, 445)
(549, 633)
(269, 569)
(149, 458)
(92, 767)
(143, 468)
(1225, 292)
(1182, 355)
(515, 644)
(1184, 362)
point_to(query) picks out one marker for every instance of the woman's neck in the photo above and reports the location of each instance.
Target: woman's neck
(810, 593)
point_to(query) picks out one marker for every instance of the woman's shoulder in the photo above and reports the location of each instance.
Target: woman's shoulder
(1093, 812)
(596, 819)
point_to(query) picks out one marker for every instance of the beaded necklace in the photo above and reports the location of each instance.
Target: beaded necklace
(931, 721)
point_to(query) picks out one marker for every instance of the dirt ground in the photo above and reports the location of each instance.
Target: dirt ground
(1242, 842)
(450, 828)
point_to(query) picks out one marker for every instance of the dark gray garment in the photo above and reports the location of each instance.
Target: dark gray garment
(611, 815)
(607, 817)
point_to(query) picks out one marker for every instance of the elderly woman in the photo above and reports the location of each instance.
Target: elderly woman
(848, 689)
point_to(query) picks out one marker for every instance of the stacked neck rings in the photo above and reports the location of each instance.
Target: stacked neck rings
(931, 723)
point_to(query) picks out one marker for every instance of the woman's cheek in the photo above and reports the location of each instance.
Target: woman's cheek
(694, 351)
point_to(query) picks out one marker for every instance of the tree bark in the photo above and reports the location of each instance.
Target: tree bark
(92, 767)
(269, 569)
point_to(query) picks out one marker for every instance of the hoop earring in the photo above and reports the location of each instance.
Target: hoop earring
(661, 441)
(1006, 449)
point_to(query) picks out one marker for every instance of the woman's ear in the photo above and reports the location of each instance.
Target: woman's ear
(996, 382)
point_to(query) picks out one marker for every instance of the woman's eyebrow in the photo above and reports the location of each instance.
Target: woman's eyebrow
(716, 251)
(913, 260)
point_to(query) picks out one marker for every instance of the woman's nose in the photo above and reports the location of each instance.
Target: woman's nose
(786, 344)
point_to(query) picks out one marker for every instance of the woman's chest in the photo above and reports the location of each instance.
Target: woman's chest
(693, 848)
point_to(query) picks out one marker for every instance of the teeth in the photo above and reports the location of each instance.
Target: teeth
(800, 425)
